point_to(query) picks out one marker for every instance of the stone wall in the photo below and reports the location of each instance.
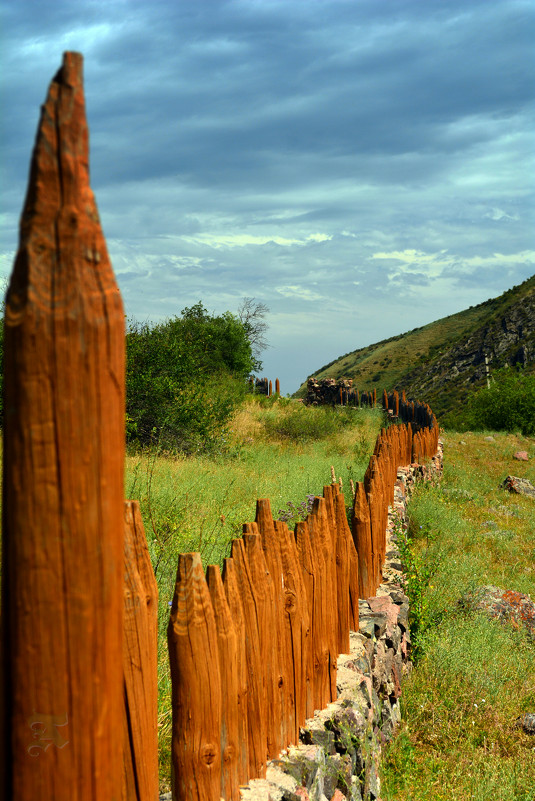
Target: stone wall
(339, 753)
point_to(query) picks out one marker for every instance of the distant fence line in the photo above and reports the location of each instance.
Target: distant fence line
(263, 386)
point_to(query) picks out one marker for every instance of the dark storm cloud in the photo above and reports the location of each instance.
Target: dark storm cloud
(328, 155)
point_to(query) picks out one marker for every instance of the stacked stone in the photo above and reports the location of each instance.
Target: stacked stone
(331, 391)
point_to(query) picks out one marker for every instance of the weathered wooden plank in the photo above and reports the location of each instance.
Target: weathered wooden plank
(308, 572)
(256, 668)
(343, 564)
(362, 537)
(196, 687)
(140, 662)
(232, 592)
(63, 528)
(325, 635)
(228, 668)
(269, 637)
(282, 710)
(296, 631)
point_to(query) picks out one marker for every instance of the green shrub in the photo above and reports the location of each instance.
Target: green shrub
(304, 423)
(184, 379)
(507, 405)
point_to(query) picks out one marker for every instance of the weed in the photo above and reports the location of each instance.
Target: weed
(418, 570)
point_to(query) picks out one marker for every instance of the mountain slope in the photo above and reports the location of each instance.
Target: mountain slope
(443, 362)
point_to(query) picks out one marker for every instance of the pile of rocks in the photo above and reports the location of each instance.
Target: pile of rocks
(332, 391)
(520, 486)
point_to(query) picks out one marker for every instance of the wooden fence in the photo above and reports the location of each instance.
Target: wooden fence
(253, 650)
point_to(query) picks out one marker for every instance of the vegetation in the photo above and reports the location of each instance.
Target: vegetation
(474, 676)
(185, 377)
(508, 404)
(200, 503)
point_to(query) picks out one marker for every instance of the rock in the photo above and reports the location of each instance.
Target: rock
(315, 733)
(490, 439)
(527, 722)
(338, 796)
(522, 456)
(282, 786)
(372, 624)
(520, 486)
(504, 605)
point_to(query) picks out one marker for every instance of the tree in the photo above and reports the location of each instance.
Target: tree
(185, 377)
(252, 316)
(508, 404)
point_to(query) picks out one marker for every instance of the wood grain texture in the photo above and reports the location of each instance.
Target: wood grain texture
(283, 705)
(228, 668)
(324, 635)
(256, 668)
(63, 527)
(308, 567)
(232, 592)
(328, 544)
(295, 618)
(140, 662)
(344, 541)
(270, 640)
(196, 687)
(362, 537)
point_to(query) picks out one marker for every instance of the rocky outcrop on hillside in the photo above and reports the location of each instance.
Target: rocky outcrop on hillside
(509, 339)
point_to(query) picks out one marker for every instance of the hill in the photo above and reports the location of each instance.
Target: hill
(443, 362)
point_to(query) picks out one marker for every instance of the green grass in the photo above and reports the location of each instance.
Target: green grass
(277, 450)
(474, 676)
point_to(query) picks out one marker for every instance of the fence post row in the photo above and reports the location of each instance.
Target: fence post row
(293, 598)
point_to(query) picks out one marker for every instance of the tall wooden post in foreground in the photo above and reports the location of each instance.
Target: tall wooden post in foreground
(63, 526)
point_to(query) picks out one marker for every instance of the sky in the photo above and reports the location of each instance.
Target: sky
(362, 167)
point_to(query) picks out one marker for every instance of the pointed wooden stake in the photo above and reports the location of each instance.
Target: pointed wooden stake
(63, 525)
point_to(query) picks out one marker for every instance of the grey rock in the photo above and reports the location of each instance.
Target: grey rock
(369, 619)
(315, 733)
(283, 787)
(527, 722)
(520, 486)
(403, 617)
(305, 763)
(355, 793)
(398, 596)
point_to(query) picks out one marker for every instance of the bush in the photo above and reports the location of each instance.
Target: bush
(304, 423)
(507, 405)
(184, 379)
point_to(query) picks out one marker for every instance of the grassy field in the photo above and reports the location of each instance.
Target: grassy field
(474, 676)
(281, 451)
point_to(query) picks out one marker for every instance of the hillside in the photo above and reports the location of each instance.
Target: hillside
(444, 361)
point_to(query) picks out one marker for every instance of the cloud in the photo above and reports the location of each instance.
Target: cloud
(367, 160)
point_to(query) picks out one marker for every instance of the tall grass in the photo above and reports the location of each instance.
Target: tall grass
(474, 676)
(276, 449)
